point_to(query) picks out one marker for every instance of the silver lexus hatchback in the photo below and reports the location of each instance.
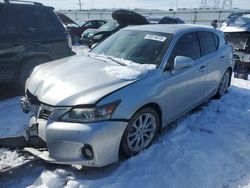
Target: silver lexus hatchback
(116, 98)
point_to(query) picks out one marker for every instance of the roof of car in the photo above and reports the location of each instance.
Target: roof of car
(171, 28)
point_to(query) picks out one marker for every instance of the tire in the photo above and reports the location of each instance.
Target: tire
(224, 84)
(27, 69)
(140, 133)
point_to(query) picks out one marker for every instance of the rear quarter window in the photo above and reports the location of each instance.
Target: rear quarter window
(10, 21)
(216, 40)
(207, 41)
(39, 20)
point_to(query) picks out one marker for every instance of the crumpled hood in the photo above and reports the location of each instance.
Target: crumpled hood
(76, 80)
(236, 25)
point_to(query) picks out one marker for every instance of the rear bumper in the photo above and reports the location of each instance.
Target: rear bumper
(65, 142)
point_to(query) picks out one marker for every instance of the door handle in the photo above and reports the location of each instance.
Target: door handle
(203, 68)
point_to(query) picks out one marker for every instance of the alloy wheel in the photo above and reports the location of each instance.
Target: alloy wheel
(142, 132)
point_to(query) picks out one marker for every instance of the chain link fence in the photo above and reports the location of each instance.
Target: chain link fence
(203, 17)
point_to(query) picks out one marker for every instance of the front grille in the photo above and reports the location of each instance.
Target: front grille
(45, 112)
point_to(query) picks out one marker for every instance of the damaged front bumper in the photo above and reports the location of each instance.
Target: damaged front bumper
(89, 144)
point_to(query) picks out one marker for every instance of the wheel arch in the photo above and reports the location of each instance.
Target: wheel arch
(231, 72)
(157, 108)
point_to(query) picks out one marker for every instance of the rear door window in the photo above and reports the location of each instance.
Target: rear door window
(39, 19)
(208, 43)
(10, 21)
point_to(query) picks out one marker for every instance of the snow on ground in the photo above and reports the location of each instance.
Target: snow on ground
(12, 119)
(209, 148)
(10, 158)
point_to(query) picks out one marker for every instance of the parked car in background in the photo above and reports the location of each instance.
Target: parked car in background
(30, 34)
(117, 98)
(237, 32)
(64, 19)
(123, 18)
(76, 30)
(89, 33)
(96, 36)
(164, 20)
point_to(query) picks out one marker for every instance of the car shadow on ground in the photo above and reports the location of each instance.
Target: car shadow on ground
(8, 91)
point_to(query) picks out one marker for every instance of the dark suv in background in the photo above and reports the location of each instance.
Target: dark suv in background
(30, 34)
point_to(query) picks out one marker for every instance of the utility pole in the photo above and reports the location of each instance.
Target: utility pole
(80, 4)
(215, 4)
(227, 4)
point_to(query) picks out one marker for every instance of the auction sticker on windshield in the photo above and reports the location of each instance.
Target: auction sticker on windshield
(155, 37)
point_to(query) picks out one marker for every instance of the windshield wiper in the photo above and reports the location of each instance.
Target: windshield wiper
(117, 61)
(102, 57)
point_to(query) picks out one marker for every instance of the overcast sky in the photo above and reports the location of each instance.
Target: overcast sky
(150, 4)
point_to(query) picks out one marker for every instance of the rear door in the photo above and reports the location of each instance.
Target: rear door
(11, 42)
(211, 57)
(185, 88)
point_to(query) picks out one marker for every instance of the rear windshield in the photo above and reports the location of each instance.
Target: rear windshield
(143, 47)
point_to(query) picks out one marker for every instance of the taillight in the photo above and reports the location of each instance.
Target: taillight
(69, 41)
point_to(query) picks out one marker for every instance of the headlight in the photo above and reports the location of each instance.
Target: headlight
(84, 115)
(98, 37)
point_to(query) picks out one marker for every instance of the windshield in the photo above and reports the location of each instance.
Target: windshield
(143, 47)
(109, 26)
(81, 23)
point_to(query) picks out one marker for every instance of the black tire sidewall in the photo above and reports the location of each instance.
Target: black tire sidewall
(124, 145)
(218, 94)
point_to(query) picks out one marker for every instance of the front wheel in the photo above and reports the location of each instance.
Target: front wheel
(224, 84)
(140, 132)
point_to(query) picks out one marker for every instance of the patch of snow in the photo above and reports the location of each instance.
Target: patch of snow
(79, 50)
(12, 119)
(127, 70)
(56, 179)
(9, 159)
(121, 68)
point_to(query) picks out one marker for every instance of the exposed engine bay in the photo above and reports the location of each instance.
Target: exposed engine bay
(237, 33)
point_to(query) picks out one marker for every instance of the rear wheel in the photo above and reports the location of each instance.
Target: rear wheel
(224, 84)
(27, 69)
(140, 132)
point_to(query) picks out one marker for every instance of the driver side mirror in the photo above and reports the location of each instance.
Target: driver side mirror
(181, 62)
(93, 45)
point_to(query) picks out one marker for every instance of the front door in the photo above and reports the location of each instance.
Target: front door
(185, 87)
